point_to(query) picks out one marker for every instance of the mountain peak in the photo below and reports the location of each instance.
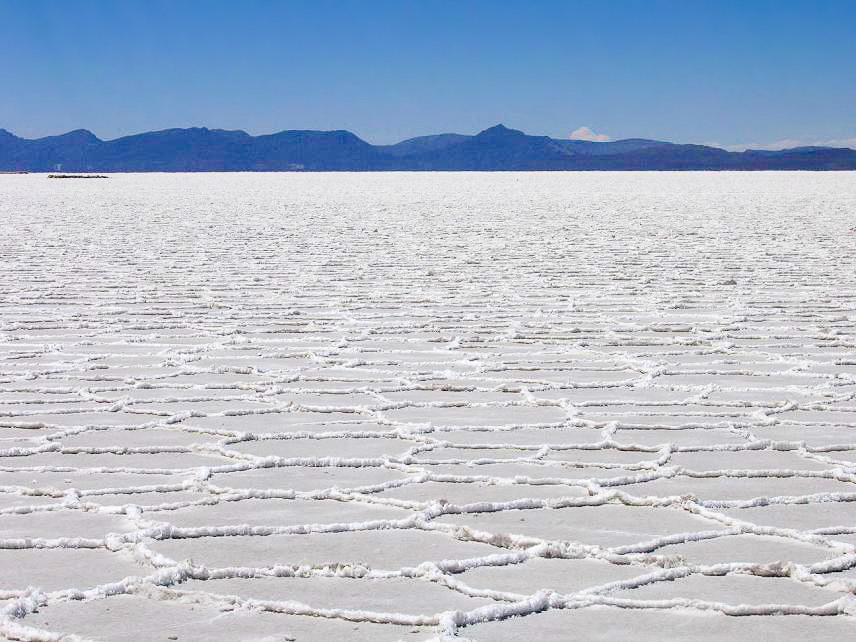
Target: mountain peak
(80, 136)
(499, 131)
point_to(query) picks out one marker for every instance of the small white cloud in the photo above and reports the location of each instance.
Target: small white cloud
(584, 133)
(841, 142)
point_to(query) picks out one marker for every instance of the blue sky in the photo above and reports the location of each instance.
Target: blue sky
(715, 71)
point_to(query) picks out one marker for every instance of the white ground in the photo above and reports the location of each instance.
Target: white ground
(407, 406)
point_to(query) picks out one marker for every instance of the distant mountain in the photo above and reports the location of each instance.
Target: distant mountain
(590, 148)
(422, 144)
(496, 148)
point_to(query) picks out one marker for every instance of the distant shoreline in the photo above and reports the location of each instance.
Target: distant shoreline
(77, 176)
(439, 171)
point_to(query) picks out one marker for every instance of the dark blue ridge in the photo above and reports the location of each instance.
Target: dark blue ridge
(200, 149)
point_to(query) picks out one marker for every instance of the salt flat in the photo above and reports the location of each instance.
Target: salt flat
(428, 406)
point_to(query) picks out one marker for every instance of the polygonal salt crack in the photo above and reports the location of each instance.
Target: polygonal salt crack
(427, 405)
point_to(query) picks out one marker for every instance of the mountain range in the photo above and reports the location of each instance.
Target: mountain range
(494, 149)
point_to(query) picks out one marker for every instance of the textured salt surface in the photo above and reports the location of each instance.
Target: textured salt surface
(428, 406)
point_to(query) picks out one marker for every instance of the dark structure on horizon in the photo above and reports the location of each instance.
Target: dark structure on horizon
(494, 149)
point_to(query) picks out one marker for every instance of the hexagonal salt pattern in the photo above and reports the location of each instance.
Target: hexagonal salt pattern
(428, 406)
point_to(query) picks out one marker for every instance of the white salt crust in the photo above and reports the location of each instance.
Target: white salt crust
(427, 406)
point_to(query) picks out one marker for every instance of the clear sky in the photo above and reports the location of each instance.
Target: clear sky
(723, 71)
